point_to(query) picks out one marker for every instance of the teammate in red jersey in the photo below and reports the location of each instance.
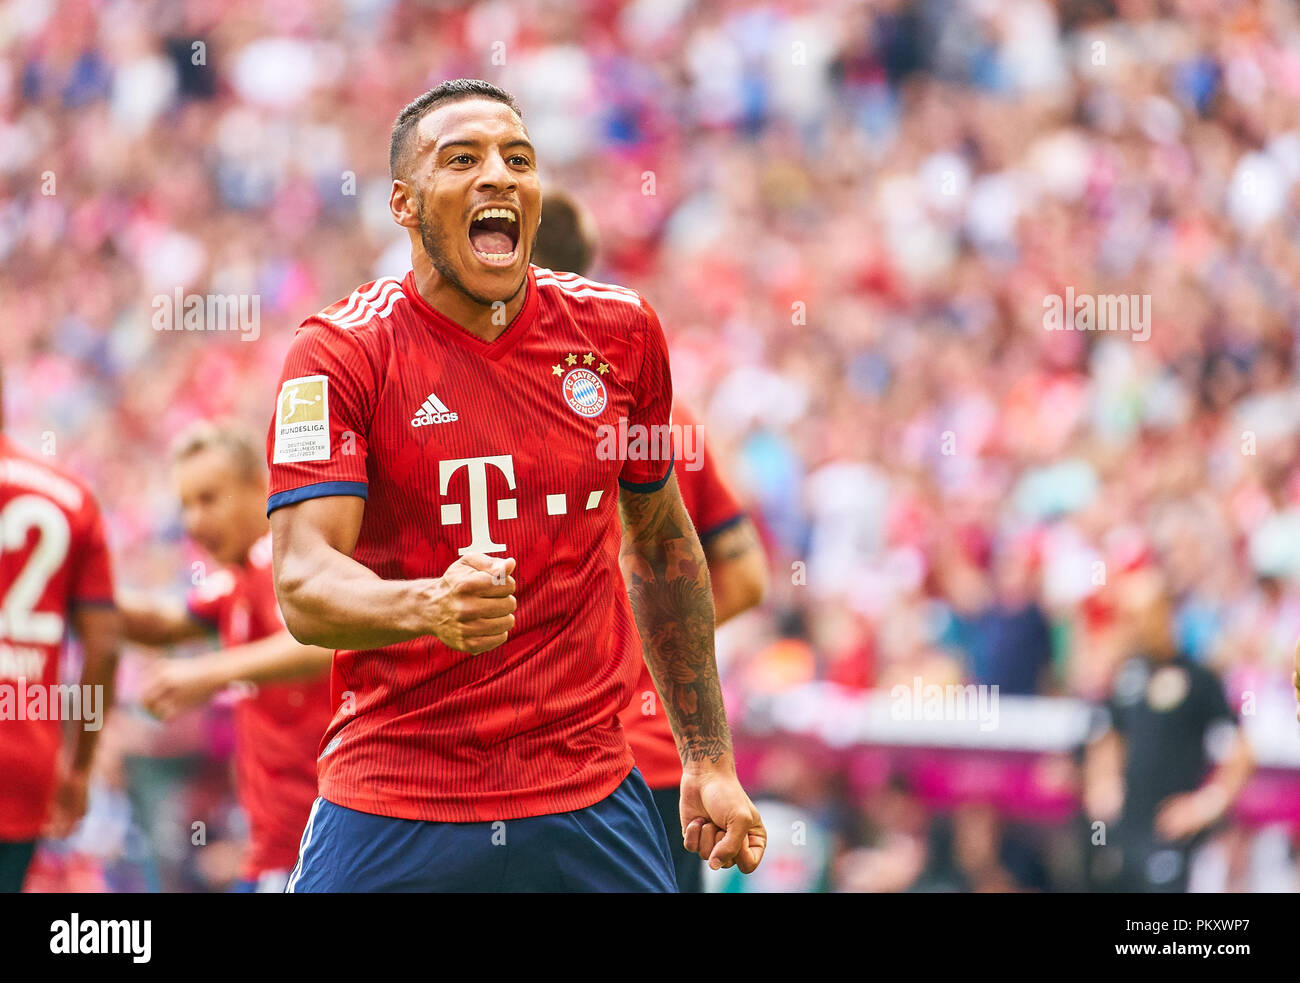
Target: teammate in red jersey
(447, 457)
(220, 476)
(566, 240)
(54, 574)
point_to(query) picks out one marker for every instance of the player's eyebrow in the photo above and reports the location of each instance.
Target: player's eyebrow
(467, 142)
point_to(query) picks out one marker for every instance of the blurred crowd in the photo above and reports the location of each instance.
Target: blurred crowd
(850, 216)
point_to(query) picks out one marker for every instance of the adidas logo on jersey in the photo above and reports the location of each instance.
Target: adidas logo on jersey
(432, 411)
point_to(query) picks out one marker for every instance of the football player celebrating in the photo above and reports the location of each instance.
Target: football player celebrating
(446, 512)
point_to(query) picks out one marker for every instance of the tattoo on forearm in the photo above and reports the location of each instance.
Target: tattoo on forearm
(668, 585)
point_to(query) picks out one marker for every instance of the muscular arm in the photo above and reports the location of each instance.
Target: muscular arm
(737, 570)
(327, 597)
(151, 620)
(668, 584)
(331, 600)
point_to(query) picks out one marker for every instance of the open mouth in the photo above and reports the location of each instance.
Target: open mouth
(494, 234)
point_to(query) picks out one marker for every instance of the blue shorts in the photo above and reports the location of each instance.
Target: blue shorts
(618, 844)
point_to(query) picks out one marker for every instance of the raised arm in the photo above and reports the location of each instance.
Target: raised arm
(178, 684)
(331, 600)
(668, 584)
(268, 660)
(148, 619)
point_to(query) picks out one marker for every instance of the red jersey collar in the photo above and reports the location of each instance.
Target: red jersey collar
(494, 350)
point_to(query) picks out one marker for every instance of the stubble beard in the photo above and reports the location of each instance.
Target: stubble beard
(438, 249)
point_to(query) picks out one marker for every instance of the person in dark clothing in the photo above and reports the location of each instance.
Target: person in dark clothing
(1005, 635)
(1166, 757)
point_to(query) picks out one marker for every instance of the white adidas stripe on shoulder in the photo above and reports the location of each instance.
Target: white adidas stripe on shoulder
(357, 298)
(579, 286)
(380, 305)
(574, 280)
(581, 280)
(570, 291)
(376, 310)
(378, 300)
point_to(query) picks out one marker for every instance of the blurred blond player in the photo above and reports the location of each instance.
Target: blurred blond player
(220, 476)
(54, 574)
(566, 242)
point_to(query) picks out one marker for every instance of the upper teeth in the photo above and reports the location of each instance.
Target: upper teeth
(495, 213)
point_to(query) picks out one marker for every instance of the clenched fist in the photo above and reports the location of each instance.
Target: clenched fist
(475, 603)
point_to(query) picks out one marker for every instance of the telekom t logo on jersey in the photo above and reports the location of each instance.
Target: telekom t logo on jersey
(478, 499)
(480, 507)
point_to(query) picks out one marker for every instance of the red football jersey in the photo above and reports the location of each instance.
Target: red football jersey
(506, 448)
(52, 557)
(278, 726)
(713, 508)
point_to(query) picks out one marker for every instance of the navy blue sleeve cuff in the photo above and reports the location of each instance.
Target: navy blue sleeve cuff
(720, 527)
(651, 486)
(320, 489)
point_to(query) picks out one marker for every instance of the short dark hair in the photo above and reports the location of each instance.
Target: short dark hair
(399, 147)
(566, 240)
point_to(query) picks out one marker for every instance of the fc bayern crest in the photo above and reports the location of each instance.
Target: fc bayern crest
(585, 392)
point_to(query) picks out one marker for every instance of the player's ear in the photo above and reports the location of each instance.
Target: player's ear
(401, 205)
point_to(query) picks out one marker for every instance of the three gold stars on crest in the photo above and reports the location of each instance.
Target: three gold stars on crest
(572, 359)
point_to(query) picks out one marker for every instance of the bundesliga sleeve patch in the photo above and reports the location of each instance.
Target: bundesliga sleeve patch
(302, 421)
